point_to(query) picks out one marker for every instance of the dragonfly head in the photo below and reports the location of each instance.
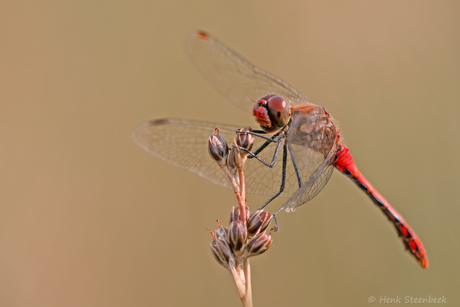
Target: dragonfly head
(271, 112)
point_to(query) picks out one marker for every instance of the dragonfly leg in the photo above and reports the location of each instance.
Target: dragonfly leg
(259, 131)
(254, 154)
(283, 178)
(276, 221)
(268, 140)
(276, 138)
(276, 228)
(296, 168)
(259, 134)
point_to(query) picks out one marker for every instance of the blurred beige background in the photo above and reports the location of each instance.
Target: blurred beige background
(87, 218)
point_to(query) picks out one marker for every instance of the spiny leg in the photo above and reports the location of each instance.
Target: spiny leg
(283, 177)
(274, 139)
(296, 168)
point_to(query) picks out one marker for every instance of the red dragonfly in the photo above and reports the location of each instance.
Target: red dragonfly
(310, 142)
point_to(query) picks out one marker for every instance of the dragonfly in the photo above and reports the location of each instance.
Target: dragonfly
(305, 134)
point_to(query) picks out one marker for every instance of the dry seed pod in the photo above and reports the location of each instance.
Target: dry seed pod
(258, 245)
(222, 232)
(259, 221)
(244, 139)
(217, 147)
(221, 251)
(232, 161)
(235, 214)
(237, 236)
(235, 159)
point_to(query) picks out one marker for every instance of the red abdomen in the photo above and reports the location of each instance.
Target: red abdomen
(344, 163)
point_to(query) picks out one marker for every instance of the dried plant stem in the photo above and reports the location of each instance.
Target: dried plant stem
(242, 202)
(242, 278)
(240, 282)
(247, 273)
(235, 186)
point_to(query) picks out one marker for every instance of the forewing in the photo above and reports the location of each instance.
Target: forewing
(182, 142)
(237, 79)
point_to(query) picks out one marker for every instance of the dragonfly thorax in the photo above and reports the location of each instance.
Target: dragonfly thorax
(271, 112)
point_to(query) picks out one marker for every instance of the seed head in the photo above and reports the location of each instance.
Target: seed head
(231, 161)
(245, 139)
(237, 235)
(258, 245)
(259, 221)
(222, 232)
(221, 251)
(234, 159)
(235, 214)
(217, 147)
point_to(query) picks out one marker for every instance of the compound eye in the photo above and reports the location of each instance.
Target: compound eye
(278, 111)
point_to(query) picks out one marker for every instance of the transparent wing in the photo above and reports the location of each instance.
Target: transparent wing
(182, 142)
(237, 79)
(313, 139)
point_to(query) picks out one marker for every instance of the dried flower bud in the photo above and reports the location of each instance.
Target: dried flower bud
(234, 159)
(221, 251)
(245, 139)
(258, 245)
(217, 147)
(237, 235)
(259, 221)
(235, 214)
(222, 232)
